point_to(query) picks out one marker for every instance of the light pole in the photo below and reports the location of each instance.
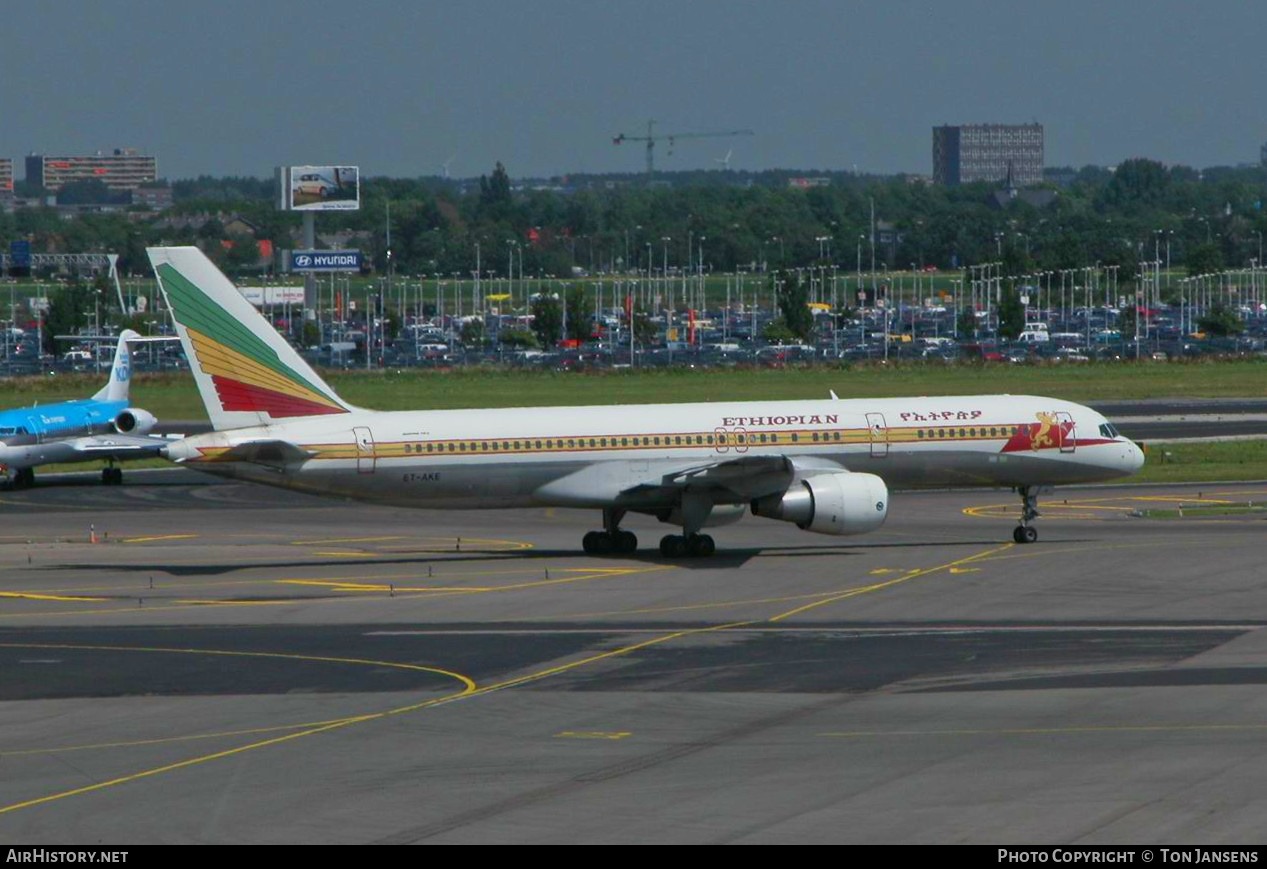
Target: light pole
(664, 271)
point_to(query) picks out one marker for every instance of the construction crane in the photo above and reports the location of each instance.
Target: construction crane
(651, 138)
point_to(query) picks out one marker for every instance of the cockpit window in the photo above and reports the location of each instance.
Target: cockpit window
(1107, 430)
(7, 430)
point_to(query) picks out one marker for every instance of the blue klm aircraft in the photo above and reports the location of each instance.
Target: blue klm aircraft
(104, 427)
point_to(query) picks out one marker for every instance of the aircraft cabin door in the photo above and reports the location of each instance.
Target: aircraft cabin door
(1065, 434)
(878, 434)
(365, 457)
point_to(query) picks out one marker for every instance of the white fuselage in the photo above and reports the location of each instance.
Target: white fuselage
(614, 455)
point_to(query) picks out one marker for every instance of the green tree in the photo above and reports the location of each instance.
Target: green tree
(519, 338)
(967, 323)
(578, 309)
(473, 332)
(1137, 181)
(1011, 314)
(1128, 321)
(91, 191)
(794, 307)
(242, 255)
(645, 331)
(495, 191)
(547, 320)
(69, 310)
(1221, 320)
(1204, 259)
(777, 332)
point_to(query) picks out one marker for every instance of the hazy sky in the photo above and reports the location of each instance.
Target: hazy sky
(398, 86)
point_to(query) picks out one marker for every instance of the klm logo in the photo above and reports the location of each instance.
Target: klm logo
(122, 373)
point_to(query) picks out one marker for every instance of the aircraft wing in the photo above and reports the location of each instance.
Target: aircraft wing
(735, 480)
(117, 446)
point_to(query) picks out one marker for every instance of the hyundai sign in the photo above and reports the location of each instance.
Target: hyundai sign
(326, 261)
(20, 254)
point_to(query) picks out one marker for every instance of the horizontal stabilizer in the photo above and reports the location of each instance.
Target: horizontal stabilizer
(273, 454)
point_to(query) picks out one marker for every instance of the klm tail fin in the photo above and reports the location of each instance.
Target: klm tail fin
(116, 388)
(246, 373)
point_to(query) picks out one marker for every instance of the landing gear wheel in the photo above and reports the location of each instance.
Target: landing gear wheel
(1026, 533)
(673, 546)
(590, 542)
(700, 546)
(111, 476)
(626, 542)
(24, 478)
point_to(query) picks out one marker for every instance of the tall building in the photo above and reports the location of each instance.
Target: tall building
(6, 176)
(123, 169)
(988, 152)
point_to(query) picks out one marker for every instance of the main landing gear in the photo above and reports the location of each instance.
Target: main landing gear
(693, 512)
(1026, 533)
(22, 478)
(112, 476)
(611, 540)
(692, 545)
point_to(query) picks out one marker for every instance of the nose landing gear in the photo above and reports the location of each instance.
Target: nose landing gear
(1024, 532)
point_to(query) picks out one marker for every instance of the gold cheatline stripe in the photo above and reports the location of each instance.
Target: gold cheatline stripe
(215, 358)
(475, 446)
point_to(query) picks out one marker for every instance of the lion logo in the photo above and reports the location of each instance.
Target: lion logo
(1042, 437)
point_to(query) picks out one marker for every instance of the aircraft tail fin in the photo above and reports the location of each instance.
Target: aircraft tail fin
(247, 374)
(116, 388)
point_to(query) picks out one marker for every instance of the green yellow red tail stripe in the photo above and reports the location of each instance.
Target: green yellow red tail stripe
(247, 373)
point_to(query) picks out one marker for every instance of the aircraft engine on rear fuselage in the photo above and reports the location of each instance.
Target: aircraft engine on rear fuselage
(841, 503)
(133, 420)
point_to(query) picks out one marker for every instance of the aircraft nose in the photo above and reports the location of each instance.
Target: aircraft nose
(1134, 457)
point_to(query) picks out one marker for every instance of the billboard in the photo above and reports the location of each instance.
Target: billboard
(20, 254)
(326, 260)
(273, 295)
(320, 188)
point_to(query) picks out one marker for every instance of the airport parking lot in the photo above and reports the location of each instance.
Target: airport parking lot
(240, 664)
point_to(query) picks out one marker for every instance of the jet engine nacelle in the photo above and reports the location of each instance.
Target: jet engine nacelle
(133, 420)
(837, 503)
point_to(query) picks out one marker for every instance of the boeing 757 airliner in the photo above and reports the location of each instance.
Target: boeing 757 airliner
(827, 466)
